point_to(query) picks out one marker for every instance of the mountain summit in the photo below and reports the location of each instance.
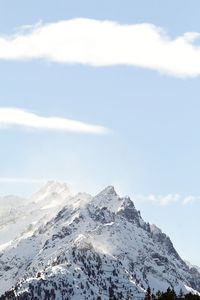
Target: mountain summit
(90, 247)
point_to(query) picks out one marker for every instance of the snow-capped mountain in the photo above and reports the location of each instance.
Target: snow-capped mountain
(20, 217)
(84, 247)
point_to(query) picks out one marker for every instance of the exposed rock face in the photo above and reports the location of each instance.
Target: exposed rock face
(94, 246)
(128, 211)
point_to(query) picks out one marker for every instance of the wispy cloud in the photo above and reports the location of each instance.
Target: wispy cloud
(164, 200)
(19, 117)
(20, 180)
(159, 199)
(190, 200)
(105, 43)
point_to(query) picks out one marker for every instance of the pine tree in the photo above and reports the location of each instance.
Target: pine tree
(148, 294)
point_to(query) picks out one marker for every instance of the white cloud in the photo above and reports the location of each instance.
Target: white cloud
(19, 117)
(105, 43)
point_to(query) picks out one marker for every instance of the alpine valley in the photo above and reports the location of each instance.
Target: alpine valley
(59, 245)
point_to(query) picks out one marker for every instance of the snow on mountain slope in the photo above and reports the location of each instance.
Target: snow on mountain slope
(193, 268)
(20, 216)
(94, 246)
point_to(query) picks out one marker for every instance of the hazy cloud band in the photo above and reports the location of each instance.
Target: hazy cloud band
(20, 180)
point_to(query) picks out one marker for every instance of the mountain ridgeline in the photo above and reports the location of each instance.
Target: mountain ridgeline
(64, 246)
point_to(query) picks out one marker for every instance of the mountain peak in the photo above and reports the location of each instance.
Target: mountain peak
(55, 185)
(107, 198)
(109, 190)
(50, 189)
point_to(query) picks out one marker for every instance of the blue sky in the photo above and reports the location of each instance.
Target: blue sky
(153, 145)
